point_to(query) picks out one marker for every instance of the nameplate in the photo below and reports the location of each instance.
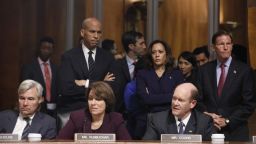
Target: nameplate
(95, 137)
(181, 138)
(254, 139)
(9, 137)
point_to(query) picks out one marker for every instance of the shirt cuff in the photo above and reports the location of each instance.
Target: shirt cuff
(87, 83)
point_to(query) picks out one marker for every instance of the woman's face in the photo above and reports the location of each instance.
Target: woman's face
(96, 106)
(185, 66)
(158, 54)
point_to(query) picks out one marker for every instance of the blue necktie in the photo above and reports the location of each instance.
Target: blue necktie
(181, 127)
(26, 129)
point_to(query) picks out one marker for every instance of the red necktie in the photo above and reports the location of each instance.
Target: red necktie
(222, 79)
(47, 82)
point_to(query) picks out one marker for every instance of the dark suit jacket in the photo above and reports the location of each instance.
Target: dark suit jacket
(74, 67)
(165, 123)
(237, 101)
(34, 72)
(41, 123)
(156, 93)
(80, 122)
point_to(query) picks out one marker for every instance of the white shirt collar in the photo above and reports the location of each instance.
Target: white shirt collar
(42, 62)
(185, 120)
(86, 50)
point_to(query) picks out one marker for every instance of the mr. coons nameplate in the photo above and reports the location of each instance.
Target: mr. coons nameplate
(93, 137)
(181, 138)
(9, 137)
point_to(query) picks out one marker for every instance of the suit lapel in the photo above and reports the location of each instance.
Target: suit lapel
(36, 124)
(82, 60)
(191, 125)
(126, 69)
(213, 80)
(39, 71)
(171, 126)
(232, 71)
(12, 122)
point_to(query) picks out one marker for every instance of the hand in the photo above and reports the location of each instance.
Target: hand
(109, 77)
(80, 82)
(213, 115)
(220, 122)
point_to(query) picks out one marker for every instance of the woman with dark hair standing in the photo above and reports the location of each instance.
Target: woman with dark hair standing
(155, 84)
(187, 64)
(97, 118)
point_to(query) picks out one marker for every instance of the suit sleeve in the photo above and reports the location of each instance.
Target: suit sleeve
(151, 130)
(51, 131)
(121, 130)
(67, 77)
(68, 131)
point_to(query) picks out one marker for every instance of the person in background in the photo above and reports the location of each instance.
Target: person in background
(98, 116)
(110, 45)
(227, 90)
(202, 55)
(28, 119)
(82, 66)
(44, 71)
(156, 83)
(182, 118)
(187, 64)
(135, 47)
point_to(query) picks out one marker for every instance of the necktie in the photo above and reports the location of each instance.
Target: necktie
(181, 127)
(47, 82)
(222, 79)
(91, 63)
(26, 129)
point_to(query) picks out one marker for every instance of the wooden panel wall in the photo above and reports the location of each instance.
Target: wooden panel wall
(183, 24)
(252, 34)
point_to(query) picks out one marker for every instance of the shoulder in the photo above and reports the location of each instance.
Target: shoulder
(116, 118)
(159, 117)
(8, 113)
(46, 117)
(73, 51)
(78, 114)
(201, 117)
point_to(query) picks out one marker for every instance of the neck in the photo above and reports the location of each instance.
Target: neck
(97, 118)
(185, 116)
(132, 55)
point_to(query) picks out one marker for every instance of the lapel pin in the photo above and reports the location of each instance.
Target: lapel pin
(234, 71)
(170, 77)
(190, 131)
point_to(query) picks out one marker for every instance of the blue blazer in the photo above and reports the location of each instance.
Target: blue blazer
(156, 92)
(41, 123)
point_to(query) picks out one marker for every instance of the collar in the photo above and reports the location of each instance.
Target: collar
(86, 50)
(227, 63)
(185, 120)
(129, 60)
(31, 117)
(42, 62)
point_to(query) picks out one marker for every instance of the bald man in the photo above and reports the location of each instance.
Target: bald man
(182, 113)
(81, 66)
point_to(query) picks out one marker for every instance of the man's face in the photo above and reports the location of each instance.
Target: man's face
(223, 47)
(46, 50)
(29, 102)
(201, 59)
(182, 103)
(139, 48)
(91, 34)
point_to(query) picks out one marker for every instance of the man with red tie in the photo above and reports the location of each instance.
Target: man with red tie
(42, 70)
(226, 90)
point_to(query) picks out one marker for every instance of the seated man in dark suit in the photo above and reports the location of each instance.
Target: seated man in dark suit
(28, 119)
(182, 119)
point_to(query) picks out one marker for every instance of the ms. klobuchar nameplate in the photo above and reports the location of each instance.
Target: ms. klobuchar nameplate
(95, 137)
(9, 137)
(181, 138)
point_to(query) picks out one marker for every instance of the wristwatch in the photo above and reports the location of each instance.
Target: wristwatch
(227, 121)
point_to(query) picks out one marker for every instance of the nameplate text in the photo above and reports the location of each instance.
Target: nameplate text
(181, 138)
(95, 137)
(9, 137)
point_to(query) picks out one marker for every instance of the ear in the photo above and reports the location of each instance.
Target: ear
(212, 47)
(41, 99)
(82, 32)
(193, 104)
(131, 46)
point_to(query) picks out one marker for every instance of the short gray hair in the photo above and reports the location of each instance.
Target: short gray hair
(28, 84)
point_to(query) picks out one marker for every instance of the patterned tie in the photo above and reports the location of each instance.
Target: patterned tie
(47, 82)
(181, 127)
(26, 129)
(91, 63)
(222, 79)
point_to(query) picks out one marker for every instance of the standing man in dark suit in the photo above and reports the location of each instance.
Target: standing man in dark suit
(28, 119)
(82, 66)
(42, 70)
(182, 119)
(227, 90)
(135, 47)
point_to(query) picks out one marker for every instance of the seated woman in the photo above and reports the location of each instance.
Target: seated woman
(187, 64)
(97, 118)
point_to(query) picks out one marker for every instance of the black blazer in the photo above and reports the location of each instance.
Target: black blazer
(237, 101)
(74, 67)
(165, 123)
(41, 123)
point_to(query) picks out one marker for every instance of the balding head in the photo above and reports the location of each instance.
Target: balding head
(184, 99)
(90, 20)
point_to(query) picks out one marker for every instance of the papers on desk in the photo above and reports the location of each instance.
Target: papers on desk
(95, 137)
(180, 138)
(9, 137)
